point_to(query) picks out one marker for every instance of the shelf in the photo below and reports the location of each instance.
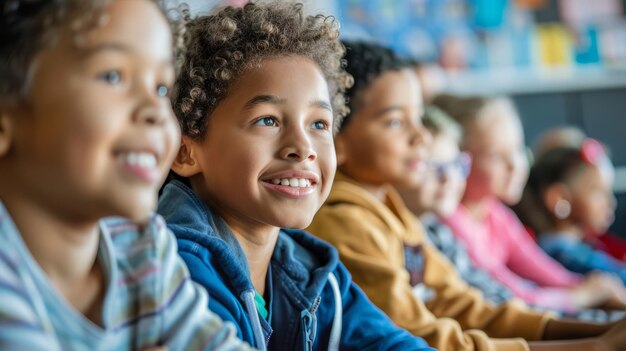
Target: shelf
(514, 82)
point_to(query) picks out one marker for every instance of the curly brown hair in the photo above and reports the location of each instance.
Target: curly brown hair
(28, 26)
(221, 46)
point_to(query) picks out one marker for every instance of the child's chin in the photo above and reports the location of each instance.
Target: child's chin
(409, 183)
(139, 212)
(140, 217)
(296, 223)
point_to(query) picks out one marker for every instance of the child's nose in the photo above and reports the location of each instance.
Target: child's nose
(612, 202)
(298, 150)
(297, 145)
(150, 115)
(421, 136)
(299, 153)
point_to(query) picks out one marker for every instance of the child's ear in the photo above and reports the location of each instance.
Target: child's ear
(6, 132)
(340, 150)
(186, 162)
(557, 200)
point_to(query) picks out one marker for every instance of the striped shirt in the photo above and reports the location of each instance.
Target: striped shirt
(150, 299)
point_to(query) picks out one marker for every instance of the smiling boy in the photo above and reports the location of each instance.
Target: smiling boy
(257, 103)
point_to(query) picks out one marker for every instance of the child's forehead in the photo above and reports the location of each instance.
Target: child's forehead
(118, 23)
(115, 25)
(398, 85)
(282, 77)
(395, 78)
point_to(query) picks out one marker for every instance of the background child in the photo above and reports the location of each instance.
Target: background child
(439, 194)
(383, 143)
(608, 242)
(495, 238)
(258, 98)
(87, 132)
(569, 195)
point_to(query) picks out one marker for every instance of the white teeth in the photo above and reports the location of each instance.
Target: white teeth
(292, 182)
(141, 159)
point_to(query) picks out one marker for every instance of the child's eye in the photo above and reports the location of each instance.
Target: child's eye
(394, 123)
(320, 125)
(112, 77)
(266, 122)
(162, 90)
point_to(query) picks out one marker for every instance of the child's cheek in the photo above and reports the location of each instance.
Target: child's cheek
(483, 177)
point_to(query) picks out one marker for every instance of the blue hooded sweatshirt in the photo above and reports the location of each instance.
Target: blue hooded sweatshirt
(314, 305)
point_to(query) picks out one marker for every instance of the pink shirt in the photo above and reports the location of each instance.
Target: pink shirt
(501, 246)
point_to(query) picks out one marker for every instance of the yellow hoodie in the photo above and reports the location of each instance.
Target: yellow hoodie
(371, 235)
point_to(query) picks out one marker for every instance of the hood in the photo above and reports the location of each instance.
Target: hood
(392, 211)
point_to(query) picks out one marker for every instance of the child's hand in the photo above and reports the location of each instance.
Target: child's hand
(612, 283)
(594, 291)
(619, 291)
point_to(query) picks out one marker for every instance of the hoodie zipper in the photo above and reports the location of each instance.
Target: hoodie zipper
(309, 324)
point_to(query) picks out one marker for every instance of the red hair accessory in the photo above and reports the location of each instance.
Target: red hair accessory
(592, 151)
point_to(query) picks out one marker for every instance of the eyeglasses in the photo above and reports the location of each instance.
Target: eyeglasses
(460, 165)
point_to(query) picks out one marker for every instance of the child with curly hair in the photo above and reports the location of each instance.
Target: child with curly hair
(257, 100)
(87, 132)
(383, 144)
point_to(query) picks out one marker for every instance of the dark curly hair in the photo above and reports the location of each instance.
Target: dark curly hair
(28, 26)
(365, 62)
(221, 46)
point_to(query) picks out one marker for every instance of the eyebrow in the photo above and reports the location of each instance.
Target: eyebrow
(385, 110)
(322, 104)
(90, 51)
(263, 99)
(275, 100)
(105, 47)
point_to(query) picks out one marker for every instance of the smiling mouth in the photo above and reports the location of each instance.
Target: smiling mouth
(293, 188)
(291, 182)
(140, 159)
(143, 165)
(415, 164)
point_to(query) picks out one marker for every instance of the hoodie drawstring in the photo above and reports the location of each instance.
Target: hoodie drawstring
(253, 314)
(309, 318)
(335, 331)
